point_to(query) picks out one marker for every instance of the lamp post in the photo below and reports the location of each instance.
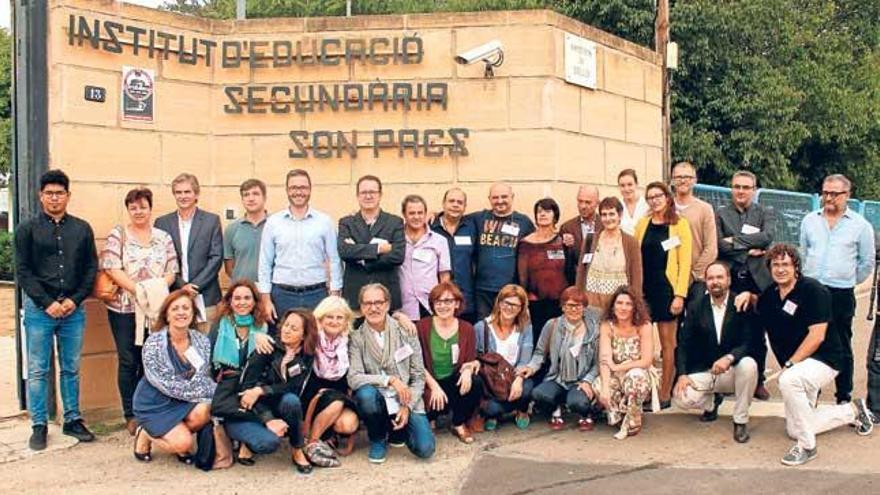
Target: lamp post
(661, 41)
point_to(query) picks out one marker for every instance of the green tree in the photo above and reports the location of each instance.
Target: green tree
(5, 105)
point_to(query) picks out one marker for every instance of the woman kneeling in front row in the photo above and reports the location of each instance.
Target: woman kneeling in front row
(173, 399)
(570, 342)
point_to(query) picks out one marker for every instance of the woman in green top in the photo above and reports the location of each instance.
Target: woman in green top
(449, 349)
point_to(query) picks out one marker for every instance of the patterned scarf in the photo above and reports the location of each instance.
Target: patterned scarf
(331, 358)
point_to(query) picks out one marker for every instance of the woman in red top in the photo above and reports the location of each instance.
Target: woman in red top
(541, 265)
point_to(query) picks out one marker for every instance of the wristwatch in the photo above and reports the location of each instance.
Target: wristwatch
(788, 364)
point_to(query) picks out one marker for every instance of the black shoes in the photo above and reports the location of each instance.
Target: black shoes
(38, 437)
(712, 415)
(761, 392)
(740, 433)
(78, 430)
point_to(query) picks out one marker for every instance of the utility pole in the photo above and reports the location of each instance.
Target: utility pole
(240, 9)
(347, 8)
(661, 40)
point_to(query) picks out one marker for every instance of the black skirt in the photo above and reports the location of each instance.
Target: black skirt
(655, 285)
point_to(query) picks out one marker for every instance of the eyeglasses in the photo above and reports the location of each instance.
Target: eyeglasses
(572, 306)
(834, 194)
(448, 302)
(510, 305)
(655, 197)
(373, 304)
(682, 178)
(369, 193)
(54, 194)
(741, 187)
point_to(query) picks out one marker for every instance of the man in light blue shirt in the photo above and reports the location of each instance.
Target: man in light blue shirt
(838, 248)
(299, 263)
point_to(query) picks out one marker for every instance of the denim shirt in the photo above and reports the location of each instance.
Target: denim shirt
(841, 257)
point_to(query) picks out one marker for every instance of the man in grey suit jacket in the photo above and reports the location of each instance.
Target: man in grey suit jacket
(199, 244)
(371, 244)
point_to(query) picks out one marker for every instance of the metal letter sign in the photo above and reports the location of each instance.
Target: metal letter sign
(138, 94)
(580, 61)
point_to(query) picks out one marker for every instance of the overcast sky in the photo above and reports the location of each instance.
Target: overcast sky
(6, 21)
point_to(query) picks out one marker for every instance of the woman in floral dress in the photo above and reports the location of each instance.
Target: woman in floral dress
(625, 354)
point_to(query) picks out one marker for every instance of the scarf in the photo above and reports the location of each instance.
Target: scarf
(226, 348)
(568, 364)
(383, 356)
(331, 358)
(289, 355)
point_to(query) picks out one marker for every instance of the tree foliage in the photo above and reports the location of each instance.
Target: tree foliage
(787, 88)
(5, 105)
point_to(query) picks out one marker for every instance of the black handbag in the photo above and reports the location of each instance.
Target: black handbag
(226, 403)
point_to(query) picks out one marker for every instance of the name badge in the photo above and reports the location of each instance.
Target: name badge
(423, 255)
(670, 243)
(589, 229)
(575, 350)
(194, 358)
(557, 254)
(462, 240)
(391, 404)
(789, 307)
(378, 240)
(749, 229)
(587, 259)
(402, 353)
(510, 229)
(454, 353)
(294, 370)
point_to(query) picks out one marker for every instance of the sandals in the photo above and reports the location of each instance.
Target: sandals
(145, 457)
(463, 434)
(244, 461)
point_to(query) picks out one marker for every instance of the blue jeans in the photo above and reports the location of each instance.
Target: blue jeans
(495, 408)
(284, 299)
(41, 332)
(260, 439)
(371, 408)
(550, 395)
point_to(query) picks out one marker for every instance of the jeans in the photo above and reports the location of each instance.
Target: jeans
(843, 308)
(284, 299)
(873, 361)
(800, 387)
(417, 434)
(41, 333)
(461, 406)
(740, 379)
(494, 408)
(550, 395)
(259, 438)
(130, 367)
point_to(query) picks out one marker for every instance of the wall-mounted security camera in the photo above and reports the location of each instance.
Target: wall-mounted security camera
(491, 54)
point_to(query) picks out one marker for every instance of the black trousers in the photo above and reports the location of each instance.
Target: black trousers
(462, 407)
(130, 367)
(485, 301)
(843, 309)
(540, 312)
(874, 368)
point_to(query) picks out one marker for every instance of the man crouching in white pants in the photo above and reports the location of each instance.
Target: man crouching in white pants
(795, 311)
(712, 354)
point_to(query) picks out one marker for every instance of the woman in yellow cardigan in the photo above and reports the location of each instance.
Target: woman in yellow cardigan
(665, 240)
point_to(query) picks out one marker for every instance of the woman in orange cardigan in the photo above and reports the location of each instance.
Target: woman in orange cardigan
(665, 240)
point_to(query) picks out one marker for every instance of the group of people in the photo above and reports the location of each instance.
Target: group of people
(397, 322)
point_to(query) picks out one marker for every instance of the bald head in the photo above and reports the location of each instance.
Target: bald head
(501, 199)
(587, 200)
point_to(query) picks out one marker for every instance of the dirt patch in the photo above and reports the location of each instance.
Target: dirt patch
(7, 310)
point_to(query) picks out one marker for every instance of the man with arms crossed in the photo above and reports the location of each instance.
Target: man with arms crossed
(461, 236)
(241, 241)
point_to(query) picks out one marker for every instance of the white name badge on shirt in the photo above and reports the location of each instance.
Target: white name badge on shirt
(194, 358)
(556, 254)
(294, 370)
(510, 229)
(589, 229)
(749, 229)
(575, 350)
(462, 240)
(402, 353)
(454, 353)
(789, 307)
(423, 255)
(670, 243)
(587, 259)
(378, 240)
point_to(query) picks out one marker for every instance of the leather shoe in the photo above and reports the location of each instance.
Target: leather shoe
(761, 392)
(712, 415)
(740, 433)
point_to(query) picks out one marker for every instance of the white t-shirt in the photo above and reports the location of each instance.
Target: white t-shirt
(508, 348)
(628, 222)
